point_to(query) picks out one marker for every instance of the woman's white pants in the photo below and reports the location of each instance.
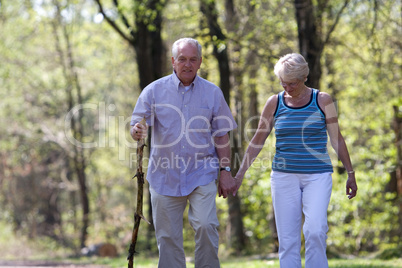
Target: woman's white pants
(294, 195)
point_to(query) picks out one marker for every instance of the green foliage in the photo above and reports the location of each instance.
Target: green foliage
(17, 246)
(258, 210)
(390, 253)
(362, 71)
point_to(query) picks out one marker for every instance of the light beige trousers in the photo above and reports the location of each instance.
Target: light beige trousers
(167, 213)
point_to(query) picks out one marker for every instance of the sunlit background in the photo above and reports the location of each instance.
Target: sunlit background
(70, 77)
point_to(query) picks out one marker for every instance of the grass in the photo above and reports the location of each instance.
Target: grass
(249, 262)
(232, 262)
(18, 248)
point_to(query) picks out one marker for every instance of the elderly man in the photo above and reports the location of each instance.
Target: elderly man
(190, 144)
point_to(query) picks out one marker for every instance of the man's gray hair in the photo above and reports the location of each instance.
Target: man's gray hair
(182, 41)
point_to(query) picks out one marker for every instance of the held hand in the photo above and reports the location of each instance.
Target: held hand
(239, 180)
(351, 186)
(139, 131)
(227, 184)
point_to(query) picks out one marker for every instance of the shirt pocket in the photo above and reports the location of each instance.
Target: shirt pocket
(199, 119)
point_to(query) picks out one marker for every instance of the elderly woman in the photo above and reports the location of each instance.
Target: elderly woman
(301, 169)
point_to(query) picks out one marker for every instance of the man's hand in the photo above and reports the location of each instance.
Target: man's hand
(139, 131)
(227, 184)
(351, 186)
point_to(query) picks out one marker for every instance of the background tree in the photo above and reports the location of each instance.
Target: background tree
(73, 87)
(52, 206)
(144, 35)
(40, 192)
(396, 176)
(311, 28)
(220, 51)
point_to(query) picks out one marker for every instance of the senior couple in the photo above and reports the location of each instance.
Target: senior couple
(190, 122)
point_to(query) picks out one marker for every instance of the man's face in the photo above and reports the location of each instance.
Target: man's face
(187, 63)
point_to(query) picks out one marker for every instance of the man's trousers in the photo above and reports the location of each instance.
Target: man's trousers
(167, 212)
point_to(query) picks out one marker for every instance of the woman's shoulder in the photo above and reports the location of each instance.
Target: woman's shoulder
(324, 98)
(272, 100)
(273, 97)
(271, 105)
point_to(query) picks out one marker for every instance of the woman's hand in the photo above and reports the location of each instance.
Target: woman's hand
(239, 180)
(351, 186)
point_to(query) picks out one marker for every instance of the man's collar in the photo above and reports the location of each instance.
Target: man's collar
(177, 81)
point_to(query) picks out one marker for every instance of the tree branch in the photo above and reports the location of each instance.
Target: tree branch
(125, 20)
(338, 16)
(113, 24)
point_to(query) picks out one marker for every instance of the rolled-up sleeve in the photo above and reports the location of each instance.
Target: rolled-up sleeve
(223, 120)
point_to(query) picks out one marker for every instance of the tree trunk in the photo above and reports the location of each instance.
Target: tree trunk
(310, 44)
(397, 125)
(73, 84)
(253, 95)
(144, 36)
(146, 40)
(220, 51)
(311, 38)
(149, 47)
(151, 61)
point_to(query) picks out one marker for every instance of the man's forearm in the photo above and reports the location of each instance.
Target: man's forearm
(222, 146)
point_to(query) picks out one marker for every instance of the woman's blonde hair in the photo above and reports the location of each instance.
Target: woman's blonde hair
(291, 66)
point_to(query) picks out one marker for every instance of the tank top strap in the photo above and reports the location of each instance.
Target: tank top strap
(315, 96)
(279, 105)
(280, 95)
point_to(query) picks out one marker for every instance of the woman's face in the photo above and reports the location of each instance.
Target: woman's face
(292, 85)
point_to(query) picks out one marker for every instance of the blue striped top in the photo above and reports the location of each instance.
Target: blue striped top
(301, 138)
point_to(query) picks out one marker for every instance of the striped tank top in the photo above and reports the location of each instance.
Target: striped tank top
(301, 138)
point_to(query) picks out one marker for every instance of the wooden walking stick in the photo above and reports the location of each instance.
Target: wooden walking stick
(140, 189)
